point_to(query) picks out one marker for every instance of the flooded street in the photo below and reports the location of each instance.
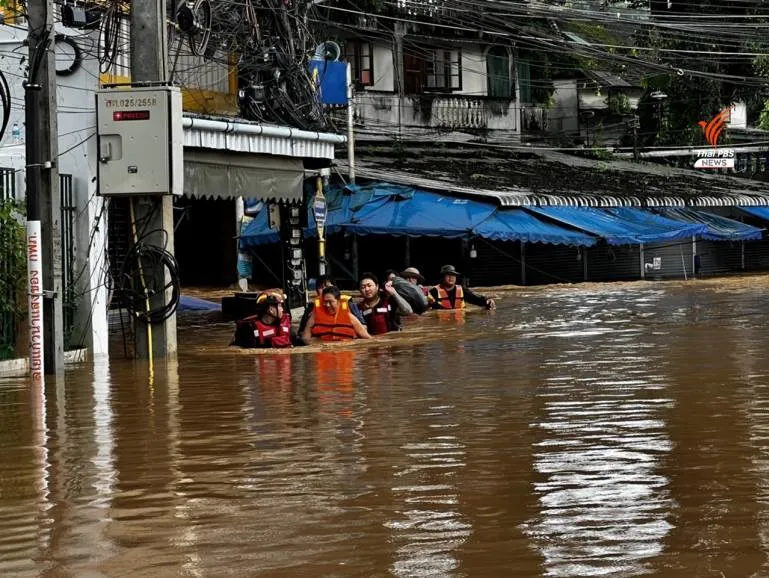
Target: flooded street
(588, 430)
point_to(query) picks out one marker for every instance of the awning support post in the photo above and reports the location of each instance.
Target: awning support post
(742, 255)
(354, 256)
(643, 265)
(694, 256)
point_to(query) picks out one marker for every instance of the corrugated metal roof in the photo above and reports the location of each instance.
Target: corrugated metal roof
(247, 137)
(607, 79)
(524, 197)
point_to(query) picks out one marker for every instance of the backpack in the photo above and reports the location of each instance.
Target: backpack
(412, 294)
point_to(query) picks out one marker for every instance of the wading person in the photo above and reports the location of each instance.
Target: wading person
(270, 327)
(449, 295)
(381, 308)
(322, 282)
(331, 320)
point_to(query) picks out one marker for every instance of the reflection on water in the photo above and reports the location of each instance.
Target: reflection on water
(604, 502)
(577, 431)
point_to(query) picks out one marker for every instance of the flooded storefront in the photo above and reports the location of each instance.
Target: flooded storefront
(591, 430)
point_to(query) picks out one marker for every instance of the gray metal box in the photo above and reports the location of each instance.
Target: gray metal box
(140, 141)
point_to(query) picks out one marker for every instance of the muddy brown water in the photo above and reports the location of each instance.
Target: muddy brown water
(590, 430)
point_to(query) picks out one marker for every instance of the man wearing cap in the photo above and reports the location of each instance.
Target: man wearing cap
(449, 295)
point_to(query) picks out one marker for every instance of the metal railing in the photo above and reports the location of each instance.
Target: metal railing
(68, 280)
(8, 327)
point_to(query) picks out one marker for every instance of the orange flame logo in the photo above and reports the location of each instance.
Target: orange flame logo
(715, 127)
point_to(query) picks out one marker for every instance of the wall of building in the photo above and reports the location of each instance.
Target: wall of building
(77, 157)
(563, 115)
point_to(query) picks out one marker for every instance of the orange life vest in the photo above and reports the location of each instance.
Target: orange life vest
(333, 327)
(443, 301)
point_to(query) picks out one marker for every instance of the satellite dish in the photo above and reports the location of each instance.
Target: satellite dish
(328, 50)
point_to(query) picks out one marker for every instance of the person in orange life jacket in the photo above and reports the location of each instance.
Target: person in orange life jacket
(331, 320)
(449, 295)
(271, 327)
(321, 283)
(381, 309)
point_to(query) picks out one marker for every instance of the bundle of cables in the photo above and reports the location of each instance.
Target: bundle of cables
(5, 102)
(149, 271)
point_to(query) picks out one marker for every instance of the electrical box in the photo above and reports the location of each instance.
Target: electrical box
(140, 142)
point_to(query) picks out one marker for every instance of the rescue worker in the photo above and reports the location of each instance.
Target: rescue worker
(321, 283)
(331, 320)
(381, 309)
(449, 295)
(270, 327)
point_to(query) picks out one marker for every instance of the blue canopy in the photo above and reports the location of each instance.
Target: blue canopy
(518, 225)
(760, 212)
(258, 231)
(622, 226)
(418, 213)
(719, 228)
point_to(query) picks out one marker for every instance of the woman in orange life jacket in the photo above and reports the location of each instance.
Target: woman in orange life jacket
(270, 327)
(331, 320)
(321, 283)
(449, 295)
(381, 309)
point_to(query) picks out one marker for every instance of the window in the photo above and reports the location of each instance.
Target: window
(498, 73)
(444, 70)
(360, 55)
(524, 80)
(432, 70)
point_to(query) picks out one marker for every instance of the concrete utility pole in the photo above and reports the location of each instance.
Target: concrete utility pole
(43, 200)
(149, 64)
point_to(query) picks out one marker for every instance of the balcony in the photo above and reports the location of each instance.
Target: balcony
(381, 113)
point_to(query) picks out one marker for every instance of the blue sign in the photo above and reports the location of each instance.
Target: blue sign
(319, 211)
(330, 78)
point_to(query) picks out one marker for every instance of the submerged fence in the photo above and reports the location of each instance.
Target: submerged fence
(8, 294)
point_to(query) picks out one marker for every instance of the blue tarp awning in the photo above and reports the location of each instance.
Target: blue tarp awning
(418, 213)
(518, 225)
(719, 228)
(622, 226)
(258, 231)
(760, 212)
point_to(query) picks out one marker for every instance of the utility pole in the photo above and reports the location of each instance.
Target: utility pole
(43, 200)
(400, 76)
(350, 126)
(149, 65)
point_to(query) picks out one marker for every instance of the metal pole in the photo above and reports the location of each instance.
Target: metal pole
(350, 127)
(44, 203)
(34, 241)
(149, 63)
